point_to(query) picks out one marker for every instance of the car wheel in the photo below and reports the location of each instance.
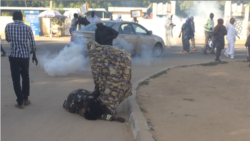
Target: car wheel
(157, 50)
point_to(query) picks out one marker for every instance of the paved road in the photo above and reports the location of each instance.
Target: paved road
(46, 120)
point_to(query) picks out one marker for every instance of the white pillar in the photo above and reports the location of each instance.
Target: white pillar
(227, 12)
(245, 22)
(154, 10)
(173, 7)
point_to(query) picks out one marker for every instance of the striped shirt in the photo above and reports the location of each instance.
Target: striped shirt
(18, 34)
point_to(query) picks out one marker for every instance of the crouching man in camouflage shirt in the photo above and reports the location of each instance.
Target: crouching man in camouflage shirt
(88, 105)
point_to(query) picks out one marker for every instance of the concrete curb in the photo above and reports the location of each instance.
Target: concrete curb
(136, 118)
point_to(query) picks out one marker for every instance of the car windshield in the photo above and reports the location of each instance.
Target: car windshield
(92, 27)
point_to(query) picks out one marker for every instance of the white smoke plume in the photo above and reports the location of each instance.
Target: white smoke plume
(200, 12)
(68, 61)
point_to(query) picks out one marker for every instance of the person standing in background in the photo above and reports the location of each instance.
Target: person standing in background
(135, 20)
(4, 53)
(111, 17)
(219, 41)
(193, 28)
(248, 45)
(169, 30)
(231, 33)
(74, 23)
(19, 34)
(92, 17)
(209, 28)
(187, 34)
(119, 18)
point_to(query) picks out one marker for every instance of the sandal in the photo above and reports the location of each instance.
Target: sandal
(19, 106)
(194, 49)
(26, 102)
(182, 52)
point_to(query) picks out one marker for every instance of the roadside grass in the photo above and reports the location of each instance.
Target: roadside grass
(214, 63)
(158, 74)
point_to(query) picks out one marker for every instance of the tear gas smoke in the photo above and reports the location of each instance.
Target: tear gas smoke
(144, 58)
(69, 60)
(200, 11)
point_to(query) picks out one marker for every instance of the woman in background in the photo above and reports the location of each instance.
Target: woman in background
(187, 34)
(219, 42)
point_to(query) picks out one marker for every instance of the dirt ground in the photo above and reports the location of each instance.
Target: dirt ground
(198, 103)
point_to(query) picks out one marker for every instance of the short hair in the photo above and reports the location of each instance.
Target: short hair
(211, 14)
(75, 15)
(17, 15)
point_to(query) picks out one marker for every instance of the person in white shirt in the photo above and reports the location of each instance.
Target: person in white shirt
(231, 33)
(119, 18)
(74, 23)
(169, 30)
(92, 17)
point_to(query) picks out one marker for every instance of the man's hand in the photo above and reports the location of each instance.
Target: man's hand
(180, 36)
(34, 58)
(238, 37)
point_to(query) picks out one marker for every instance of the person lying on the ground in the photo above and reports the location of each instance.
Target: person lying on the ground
(88, 105)
(104, 35)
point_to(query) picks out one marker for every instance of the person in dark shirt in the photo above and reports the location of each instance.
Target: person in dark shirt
(83, 21)
(104, 35)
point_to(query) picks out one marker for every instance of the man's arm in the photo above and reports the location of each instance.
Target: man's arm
(7, 34)
(32, 45)
(113, 34)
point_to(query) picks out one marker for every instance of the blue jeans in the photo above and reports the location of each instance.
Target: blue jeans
(71, 30)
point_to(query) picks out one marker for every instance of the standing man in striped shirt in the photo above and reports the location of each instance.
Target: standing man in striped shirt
(18, 34)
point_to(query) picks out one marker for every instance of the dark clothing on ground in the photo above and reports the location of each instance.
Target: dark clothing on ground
(2, 49)
(20, 66)
(187, 34)
(105, 35)
(208, 35)
(78, 99)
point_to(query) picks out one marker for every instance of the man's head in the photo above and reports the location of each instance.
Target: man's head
(192, 18)
(170, 17)
(99, 23)
(93, 13)
(75, 15)
(211, 15)
(17, 15)
(232, 20)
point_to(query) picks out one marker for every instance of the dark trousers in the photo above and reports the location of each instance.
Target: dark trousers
(20, 66)
(248, 53)
(207, 36)
(2, 49)
(218, 51)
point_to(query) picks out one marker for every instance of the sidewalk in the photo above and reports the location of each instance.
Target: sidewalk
(43, 38)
